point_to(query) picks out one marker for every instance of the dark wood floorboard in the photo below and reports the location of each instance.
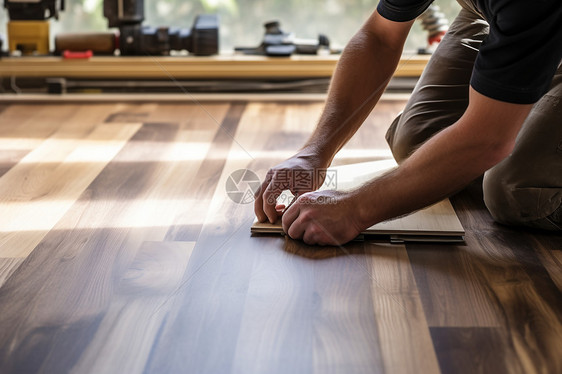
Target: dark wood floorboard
(152, 268)
(205, 181)
(472, 350)
(508, 262)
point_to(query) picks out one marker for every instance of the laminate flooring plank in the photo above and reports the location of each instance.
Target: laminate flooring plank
(189, 114)
(473, 350)
(81, 260)
(50, 179)
(206, 314)
(549, 250)
(21, 130)
(137, 113)
(85, 255)
(347, 335)
(276, 333)
(7, 268)
(140, 304)
(521, 278)
(10, 158)
(451, 288)
(404, 335)
(25, 126)
(308, 309)
(470, 207)
(204, 184)
(206, 317)
(434, 223)
(530, 302)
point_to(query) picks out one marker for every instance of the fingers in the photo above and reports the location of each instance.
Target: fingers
(299, 222)
(296, 229)
(289, 216)
(311, 237)
(258, 203)
(276, 181)
(265, 205)
(295, 224)
(270, 201)
(309, 232)
(278, 184)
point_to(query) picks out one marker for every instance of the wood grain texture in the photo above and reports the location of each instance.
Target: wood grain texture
(141, 299)
(458, 299)
(399, 312)
(471, 350)
(109, 230)
(347, 336)
(549, 250)
(151, 269)
(50, 180)
(224, 255)
(7, 268)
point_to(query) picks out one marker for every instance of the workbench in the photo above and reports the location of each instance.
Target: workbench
(188, 67)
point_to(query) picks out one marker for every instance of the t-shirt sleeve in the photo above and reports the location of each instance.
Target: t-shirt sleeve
(519, 57)
(402, 10)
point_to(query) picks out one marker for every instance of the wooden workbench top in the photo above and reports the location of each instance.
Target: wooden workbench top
(188, 67)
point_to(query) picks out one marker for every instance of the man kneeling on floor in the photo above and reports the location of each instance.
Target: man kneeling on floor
(489, 101)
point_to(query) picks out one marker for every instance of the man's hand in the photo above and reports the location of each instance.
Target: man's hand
(363, 71)
(285, 177)
(323, 218)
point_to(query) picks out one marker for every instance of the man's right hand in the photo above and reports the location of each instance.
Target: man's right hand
(285, 176)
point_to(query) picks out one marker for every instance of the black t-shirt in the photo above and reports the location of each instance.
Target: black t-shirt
(519, 57)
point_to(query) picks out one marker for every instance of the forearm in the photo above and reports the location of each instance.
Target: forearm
(441, 167)
(446, 163)
(361, 75)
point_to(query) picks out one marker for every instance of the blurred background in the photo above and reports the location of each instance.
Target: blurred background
(241, 21)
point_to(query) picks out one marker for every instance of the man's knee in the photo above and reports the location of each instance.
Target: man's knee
(498, 198)
(426, 114)
(404, 138)
(512, 203)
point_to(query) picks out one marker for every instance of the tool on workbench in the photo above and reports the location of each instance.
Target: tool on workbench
(276, 42)
(100, 43)
(28, 28)
(436, 24)
(136, 39)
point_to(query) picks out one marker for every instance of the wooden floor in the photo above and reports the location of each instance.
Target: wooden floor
(120, 252)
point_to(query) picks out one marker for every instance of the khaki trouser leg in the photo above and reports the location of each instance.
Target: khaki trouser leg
(524, 189)
(441, 95)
